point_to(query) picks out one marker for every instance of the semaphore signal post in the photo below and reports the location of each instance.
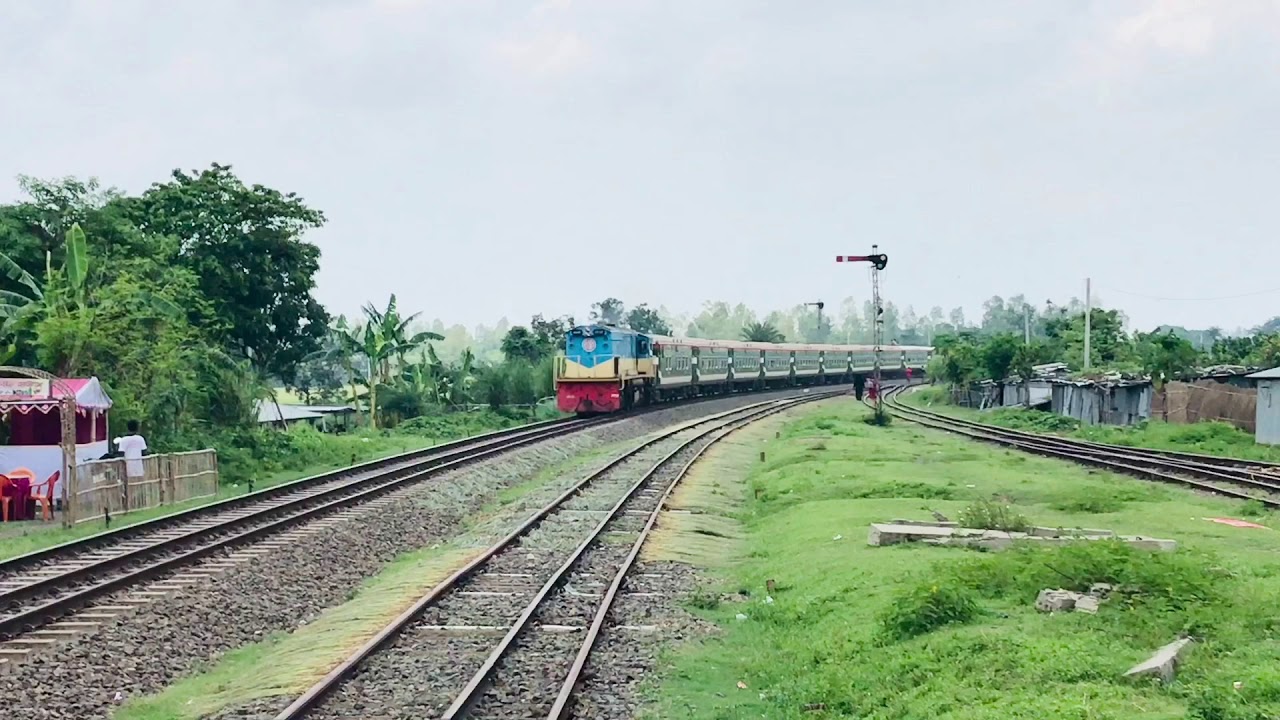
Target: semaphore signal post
(878, 262)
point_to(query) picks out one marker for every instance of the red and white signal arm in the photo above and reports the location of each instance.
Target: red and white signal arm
(589, 344)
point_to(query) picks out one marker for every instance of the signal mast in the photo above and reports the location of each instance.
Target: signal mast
(878, 261)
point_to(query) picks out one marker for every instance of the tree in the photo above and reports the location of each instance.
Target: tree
(1165, 357)
(957, 359)
(1267, 354)
(384, 341)
(718, 321)
(1109, 343)
(762, 332)
(550, 334)
(998, 354)
(609, 311)
(1269, 327)
(520, 344)
(538, 341)
(645, 319)
(243, 243)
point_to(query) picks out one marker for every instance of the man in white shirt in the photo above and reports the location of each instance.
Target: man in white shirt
(132, 445)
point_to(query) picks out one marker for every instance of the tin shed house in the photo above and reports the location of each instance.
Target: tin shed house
(1267, 428)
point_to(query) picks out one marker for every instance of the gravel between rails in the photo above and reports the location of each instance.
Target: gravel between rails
(527, 679)
(442, 661)
(646, 619)
(279, 591)
(440, 651)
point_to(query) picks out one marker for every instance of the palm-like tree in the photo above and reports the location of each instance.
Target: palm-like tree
(762, 332)
(384, 340)
(35, 297)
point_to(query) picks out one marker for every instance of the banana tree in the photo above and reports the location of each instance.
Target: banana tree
(385, 341)
(62, 296)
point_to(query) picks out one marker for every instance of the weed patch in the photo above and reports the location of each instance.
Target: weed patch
(992, 515)
(927, 607)
(902, 489)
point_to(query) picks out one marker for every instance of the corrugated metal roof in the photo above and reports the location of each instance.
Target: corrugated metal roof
(328, 408)
(267, 412)
(1272, 374)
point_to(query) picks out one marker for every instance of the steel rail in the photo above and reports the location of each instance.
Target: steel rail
(22, 562)
(1215, 461)
(320, 690)
(471, 693)
(1222, 468)
(42, 613)
(569, 686)
(19, 562)
(1124, 461)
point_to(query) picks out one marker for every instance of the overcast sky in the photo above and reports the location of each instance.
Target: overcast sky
(505, 157)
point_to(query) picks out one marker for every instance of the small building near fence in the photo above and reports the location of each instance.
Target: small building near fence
(1267, 430)
(324, 417)
(271, 414)
(32, 407)
(1111, 402)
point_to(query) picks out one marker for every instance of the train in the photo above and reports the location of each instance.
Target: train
(607, 369)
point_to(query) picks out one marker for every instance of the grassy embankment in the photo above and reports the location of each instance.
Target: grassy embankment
(275, 458)
(913, 632)
(1210, 438)
(286, 664)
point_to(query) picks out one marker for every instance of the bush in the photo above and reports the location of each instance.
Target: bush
(1166, 581)
(879, 419)
(990, 515)
(1032, 420)
(927, 607)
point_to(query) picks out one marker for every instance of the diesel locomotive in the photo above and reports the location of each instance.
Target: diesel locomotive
(608, 369)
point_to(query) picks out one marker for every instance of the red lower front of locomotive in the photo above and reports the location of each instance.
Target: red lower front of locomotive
(588, 398)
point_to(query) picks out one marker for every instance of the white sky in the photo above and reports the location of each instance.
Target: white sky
(483, 158)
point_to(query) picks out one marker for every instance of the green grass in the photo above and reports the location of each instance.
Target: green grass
(911, 632)
(1209, 438)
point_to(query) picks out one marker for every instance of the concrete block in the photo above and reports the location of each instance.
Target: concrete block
(900, 531)
(1163, 663)
(1101, 590)
(891, 533)
(1087, 604)
(1152, 544)
(924, 523)
(1055, 600)
(1070, 532)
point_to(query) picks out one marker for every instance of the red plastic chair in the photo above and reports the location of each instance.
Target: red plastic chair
(5, 482)
(45, 501)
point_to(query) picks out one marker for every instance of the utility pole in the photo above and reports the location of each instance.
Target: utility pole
(1026, 321)
(878, 262)
(1088, 319)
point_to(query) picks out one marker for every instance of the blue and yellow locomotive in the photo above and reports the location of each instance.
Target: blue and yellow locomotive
(607, 369)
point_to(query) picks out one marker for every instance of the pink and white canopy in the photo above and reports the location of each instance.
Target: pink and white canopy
(26, 395)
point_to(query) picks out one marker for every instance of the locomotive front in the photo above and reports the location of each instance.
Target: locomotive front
(601, 368)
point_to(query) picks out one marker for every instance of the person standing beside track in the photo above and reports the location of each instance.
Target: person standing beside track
(133, 446)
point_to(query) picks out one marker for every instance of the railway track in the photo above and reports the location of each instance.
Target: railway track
(41, 587)
(509, 634)
(1230, 477)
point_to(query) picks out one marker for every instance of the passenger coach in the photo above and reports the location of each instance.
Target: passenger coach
(607, 369)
